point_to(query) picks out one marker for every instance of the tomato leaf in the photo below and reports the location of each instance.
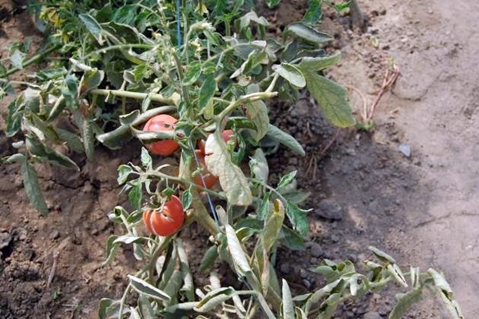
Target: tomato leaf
(315, 64)
(209, 258)
(307, 33)
(446, 294)
(405, 301)
(287, 305)
(109, 308)
(32, 188)
(291, 239)
(192, 74)
(272, 226)
(286, 179)
(135, 195)
(72, 140)
(92, 26)
(143, 287)
(291, 74)
(237, 253)
(232, 179)
(257, 112)
(111, 249)
(90, 80)
(146, 159)
(298, 218)
(314, 13)
(88, 138)
(207, 92)
(214, 298)
(259, 166)
(331, 98)
(285, 139)
(14, 119)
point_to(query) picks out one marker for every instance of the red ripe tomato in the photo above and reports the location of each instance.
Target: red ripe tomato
(162, 123)
(166, 221)
(209, 179)
(227, 136)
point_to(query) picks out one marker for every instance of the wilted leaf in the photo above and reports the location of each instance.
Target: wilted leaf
(232, 179)
(272, 225)
(446, 294)
(288, 305)
(237, 253)
(109, 308)
(382, 255)
(404, 303)
(143, 287)
(307, 33)
(285, 139)
(92, 26)
(215, 298)
(292, 239)
(32, 188)
(90, 80)
(17, 58)
(259, 166)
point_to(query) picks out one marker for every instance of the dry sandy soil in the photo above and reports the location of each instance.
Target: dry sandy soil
(420, 208)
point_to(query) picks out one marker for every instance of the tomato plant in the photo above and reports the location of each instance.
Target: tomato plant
(162, 123)
(165, 220)
(213, 65)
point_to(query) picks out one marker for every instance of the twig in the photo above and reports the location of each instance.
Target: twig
(331, 142)
(52, 271)
(388, 81)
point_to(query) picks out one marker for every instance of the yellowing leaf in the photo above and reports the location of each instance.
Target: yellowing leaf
(232, 180)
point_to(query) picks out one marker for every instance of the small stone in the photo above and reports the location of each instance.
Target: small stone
(54, 235)
(372, 315)
(405, 149)
(316, 250)
(5, 239)
(329, 209)
(284, 268)
(303, 273)
(335, 238)
(307, 283)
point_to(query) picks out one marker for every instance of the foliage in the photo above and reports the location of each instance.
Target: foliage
(211, 65)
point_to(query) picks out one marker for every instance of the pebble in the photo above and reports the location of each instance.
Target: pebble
(54, 235)
(405, 149)
(316, 250)
(329, 209)
(372, 315)
(284, 268)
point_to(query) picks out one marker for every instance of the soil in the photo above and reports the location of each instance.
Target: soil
(409, 186)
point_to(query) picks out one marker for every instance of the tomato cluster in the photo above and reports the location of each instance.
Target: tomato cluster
(170, 217)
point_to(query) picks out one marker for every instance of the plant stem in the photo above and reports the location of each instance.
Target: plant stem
(243, 99)
(134, 95)
(32, 60)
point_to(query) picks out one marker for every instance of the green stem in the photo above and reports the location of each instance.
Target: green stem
(134, 95)
(243, 99)
(32, 60)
